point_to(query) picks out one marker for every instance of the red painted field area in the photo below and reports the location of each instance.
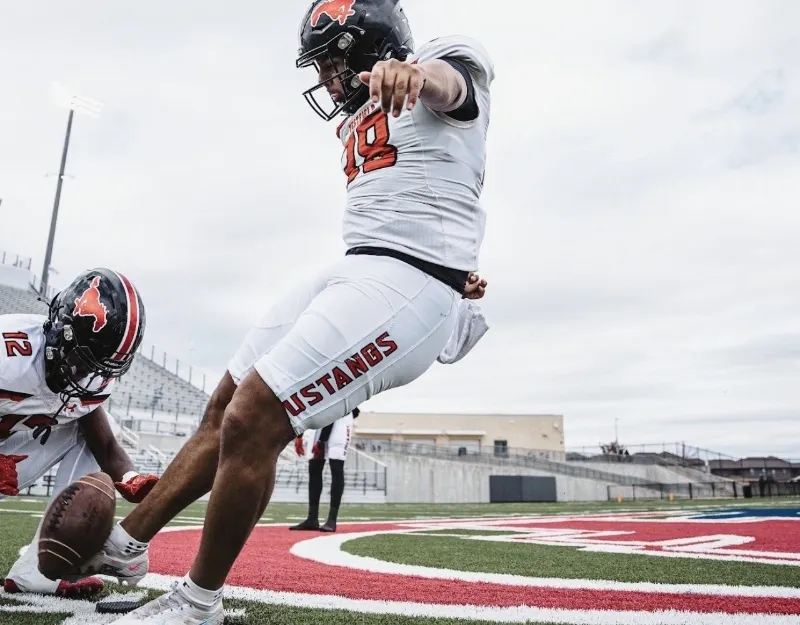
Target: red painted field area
(267, 564)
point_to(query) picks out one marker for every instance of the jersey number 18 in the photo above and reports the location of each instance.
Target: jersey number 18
(368, 148)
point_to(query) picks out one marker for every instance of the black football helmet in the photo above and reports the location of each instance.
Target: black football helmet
(361, 32)
(93, 330)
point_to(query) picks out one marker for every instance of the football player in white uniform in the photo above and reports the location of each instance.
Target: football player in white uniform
(56, 372)
(331, 443)
(414, 136)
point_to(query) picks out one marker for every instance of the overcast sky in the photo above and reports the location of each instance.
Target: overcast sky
(642, 190)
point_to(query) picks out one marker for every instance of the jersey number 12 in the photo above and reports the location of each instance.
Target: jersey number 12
(369, 145)
(17, 344)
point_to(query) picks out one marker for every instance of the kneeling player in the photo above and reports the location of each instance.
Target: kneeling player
(330, 443)
(55, 374)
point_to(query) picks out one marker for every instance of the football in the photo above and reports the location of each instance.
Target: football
(76, 524)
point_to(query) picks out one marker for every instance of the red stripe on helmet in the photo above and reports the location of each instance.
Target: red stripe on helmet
(132, 326)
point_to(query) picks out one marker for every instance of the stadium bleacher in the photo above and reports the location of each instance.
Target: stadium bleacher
(149, 389)
(151, 404)
(13, 300)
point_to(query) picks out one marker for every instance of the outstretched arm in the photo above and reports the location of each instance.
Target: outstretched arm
(105, 448)
(445, 88)
(436, 82)
(112, 458)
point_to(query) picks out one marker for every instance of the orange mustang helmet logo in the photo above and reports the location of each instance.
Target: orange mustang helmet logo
(89, 305)
(336, 10)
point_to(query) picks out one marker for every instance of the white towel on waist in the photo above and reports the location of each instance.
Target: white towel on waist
(470, 328)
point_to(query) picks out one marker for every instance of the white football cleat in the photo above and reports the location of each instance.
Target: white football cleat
(25, 577)
(125, 564)
(174, 608)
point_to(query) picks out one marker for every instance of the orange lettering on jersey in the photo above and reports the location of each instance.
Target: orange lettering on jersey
(361, 116)
(371, 140)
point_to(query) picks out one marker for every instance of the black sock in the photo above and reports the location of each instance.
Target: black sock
(337, 489)
(314, 488)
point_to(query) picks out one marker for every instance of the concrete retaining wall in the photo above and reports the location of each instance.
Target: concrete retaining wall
(415, 479)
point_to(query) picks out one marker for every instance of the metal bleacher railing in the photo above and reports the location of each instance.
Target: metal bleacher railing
(174, 366)
(679, 454)
(676, 454)
(15, 260)
(363, 474)
(534, 459)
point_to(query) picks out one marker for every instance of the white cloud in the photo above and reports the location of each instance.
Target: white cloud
(642, 191)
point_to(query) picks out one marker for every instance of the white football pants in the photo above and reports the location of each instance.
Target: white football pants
(67, 446)
(367, 325)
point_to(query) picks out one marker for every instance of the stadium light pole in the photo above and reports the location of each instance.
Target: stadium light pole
(74, 103)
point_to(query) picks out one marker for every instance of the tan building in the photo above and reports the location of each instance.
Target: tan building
(488, 433)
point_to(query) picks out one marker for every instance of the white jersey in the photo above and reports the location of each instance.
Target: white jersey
(26, 402)
(414, 182)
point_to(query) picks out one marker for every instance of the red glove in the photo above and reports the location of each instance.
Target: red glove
(318, 451)
(299, 447)
(136, 487)
(9, 480)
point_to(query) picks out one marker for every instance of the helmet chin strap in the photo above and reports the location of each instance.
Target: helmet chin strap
(44, 430)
